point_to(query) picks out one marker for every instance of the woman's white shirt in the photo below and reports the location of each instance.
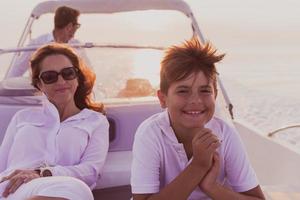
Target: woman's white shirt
(76, 147)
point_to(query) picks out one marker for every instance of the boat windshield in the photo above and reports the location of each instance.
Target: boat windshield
(156, 28)
(125, 73)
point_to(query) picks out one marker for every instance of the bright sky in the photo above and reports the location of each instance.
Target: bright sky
(230, 17)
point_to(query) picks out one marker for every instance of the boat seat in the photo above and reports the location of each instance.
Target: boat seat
(118, 164)
(17, 86)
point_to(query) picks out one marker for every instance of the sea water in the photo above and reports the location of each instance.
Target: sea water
(264, 87)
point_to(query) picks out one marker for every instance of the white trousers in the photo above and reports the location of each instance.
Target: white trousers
(54, 186)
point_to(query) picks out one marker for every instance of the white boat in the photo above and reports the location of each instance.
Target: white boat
(118, 62)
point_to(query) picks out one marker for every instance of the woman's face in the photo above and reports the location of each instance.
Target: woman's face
(61, 91)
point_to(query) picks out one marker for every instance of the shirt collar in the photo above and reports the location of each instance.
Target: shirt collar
(165, 126)
(51, 110)
(83, 114)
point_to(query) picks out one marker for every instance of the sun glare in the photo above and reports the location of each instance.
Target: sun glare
(146, 65)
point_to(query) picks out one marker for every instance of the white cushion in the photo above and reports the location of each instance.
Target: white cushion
(116, 171)
(17, 83)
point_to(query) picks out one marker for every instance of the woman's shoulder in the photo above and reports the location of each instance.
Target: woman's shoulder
(93, 118)
(89, 121)
(30, 114)
(91, 114)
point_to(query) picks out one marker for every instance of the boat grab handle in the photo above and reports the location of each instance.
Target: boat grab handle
(272, 133)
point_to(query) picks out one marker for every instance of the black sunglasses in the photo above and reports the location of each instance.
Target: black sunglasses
(68, 73)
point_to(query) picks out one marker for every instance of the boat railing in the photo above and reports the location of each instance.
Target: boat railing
(284, 128)
(229, 105)
(84, 45)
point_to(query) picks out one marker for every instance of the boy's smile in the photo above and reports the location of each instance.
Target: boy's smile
(190, 102)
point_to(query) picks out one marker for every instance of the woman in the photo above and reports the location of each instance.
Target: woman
(55, 151)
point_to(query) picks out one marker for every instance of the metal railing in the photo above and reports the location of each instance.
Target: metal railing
(272, 133)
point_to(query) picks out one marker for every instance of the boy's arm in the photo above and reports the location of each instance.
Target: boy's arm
(216, 191)
(222, 193)
(180, 188)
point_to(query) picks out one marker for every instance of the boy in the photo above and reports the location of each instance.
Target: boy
(185, 152)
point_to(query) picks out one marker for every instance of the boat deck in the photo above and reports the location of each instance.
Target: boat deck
(282, 192)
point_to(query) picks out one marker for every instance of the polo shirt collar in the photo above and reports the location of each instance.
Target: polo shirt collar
(165, 126)
(50, 109)
(83, 114)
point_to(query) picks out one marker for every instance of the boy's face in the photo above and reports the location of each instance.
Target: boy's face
(190, 102)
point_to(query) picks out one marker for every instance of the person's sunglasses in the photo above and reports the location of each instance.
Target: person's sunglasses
(49, 77)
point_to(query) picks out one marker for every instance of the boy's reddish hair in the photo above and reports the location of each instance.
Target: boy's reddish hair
(181, 61)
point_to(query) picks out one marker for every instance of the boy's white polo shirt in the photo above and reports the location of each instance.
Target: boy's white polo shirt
(158, 157)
